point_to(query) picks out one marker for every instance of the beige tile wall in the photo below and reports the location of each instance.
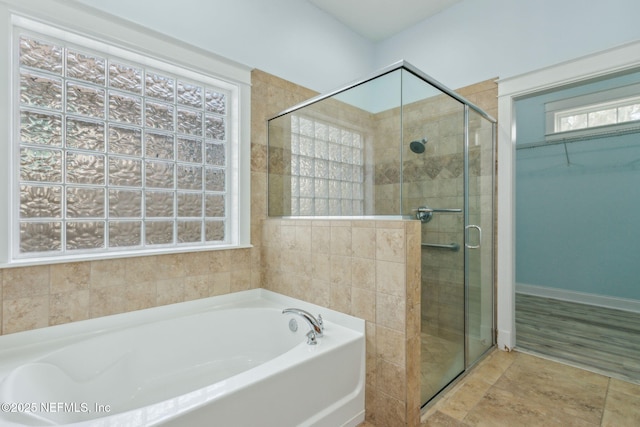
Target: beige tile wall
(46, 295)
(369, 269)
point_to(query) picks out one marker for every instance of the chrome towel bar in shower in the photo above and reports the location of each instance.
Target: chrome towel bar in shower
(452, 246)
(427, 209)
(425, 213)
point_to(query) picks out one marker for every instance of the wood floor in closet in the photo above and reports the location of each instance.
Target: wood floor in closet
(600, 339)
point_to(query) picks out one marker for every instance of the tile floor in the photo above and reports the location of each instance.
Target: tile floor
(518, 389)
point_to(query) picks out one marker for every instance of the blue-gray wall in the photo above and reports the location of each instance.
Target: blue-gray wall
(577, 224)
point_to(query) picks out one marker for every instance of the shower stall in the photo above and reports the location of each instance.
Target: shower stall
(398, 144)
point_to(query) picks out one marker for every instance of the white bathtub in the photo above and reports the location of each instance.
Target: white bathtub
(223, 361)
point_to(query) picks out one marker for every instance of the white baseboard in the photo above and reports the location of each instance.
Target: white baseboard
(579, 297)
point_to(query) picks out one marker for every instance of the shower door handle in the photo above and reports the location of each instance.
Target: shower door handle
(477, 227)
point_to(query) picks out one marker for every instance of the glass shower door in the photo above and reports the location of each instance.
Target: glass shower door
(479, 237)
(434, 183)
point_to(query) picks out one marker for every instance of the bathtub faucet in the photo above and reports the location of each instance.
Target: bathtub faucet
(316, 325)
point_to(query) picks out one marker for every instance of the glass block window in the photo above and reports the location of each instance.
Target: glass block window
(327, 169)
(600, 114)
(115, 155)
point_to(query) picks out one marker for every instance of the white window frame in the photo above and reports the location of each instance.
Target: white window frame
(77, 25)
(591, 103)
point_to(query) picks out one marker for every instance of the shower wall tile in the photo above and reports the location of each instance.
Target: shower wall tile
(220, 283)
(390, 345)
(390, 311)
(70, 277)
(394, 379)
(363, 273)
(140, 295)
(390, 412)
(240, 280)
(390, 278)
(25, 282)
(170, 266)
(340, 270)
(170, 291)
(108, 272)
(341, 240)
(390, 244)
(107, 301)
(23, 314)
(68, 307)
(39, 296)
(196, 287)
(363, 304)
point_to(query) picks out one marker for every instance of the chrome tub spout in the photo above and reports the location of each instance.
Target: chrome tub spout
(315, 324)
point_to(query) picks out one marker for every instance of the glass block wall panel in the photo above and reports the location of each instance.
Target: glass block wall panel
(159, 174)
(86, 67)
(216, 102)
(215, 205)
(125, 108)
(215, 179)
(159, 86)
(215, 154)
(123, 233)
(85, 235)
(42, 55)
(125, 77)
(214, 231)
(189, 205)
(214, 127)
(85, 202)
(40, 236)
(159, 116)
(85, 135)
(189, 177)
(189, 94)
(159, 232)
(40, 165)
(113, 154)
(41, 201)
(85, 100)
(125, 204)
(326, 166)
(41, 91)
(85, 168)
(40, 128)
(126, 141)
(189, 231)
(189, 122)
(190, 150)
(159, 146)
(159, 203)
(125, 172)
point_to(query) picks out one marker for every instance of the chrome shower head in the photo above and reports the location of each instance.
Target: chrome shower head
(418, 147)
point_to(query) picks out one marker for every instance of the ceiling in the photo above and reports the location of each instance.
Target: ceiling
(380, 19)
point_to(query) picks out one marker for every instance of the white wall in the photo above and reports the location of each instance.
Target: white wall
(474, 40)
(480, 39)
(289, 38)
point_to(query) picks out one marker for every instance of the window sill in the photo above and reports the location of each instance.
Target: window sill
(26, 262)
